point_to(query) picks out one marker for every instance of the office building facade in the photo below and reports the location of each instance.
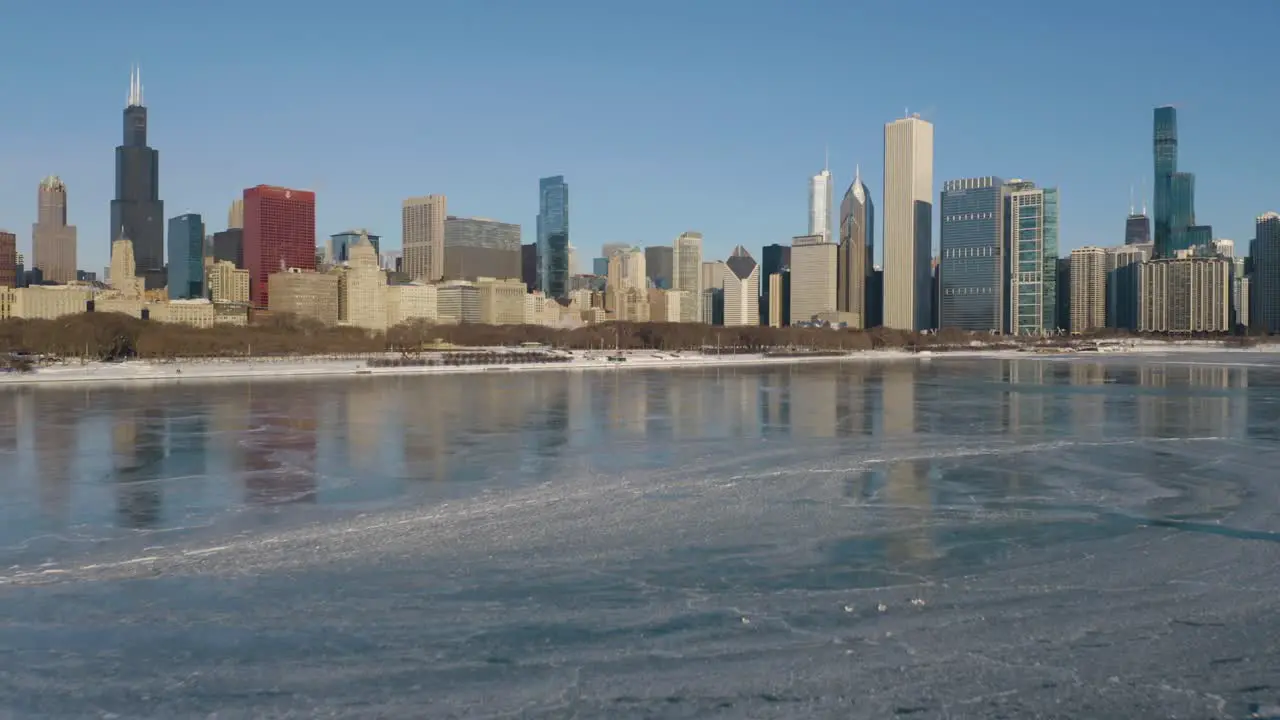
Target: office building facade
(659, 262)
(422, 222)
(972, 264)
(279, 235)
(1264, 287)
(1033, 259)
(8, 260)
(1185, 295)
(553, 236)
(813, 278)
(1124, 266)
(686, 271)
(186, 257)
(228, 246)
(479, 247)
(1165, 156)
(820, 199)
(340, 244)
(137, 213)
(1088, 289)
(773, 260)
(1137, 228)
(741, 289)
(856, 252)
(53, 241)
(908, 224)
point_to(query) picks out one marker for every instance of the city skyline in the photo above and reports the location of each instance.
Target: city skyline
(206, 162)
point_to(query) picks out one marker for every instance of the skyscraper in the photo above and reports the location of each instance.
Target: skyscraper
(820, 201)
(8, 259)
(658, 262)
(1123, 274)
(53, 241)
(813, 278)
(553, 236)
(1137, 227)
(479, 247)
(137, 212)
(279, 234)
(1033, 259)
(856, 254)
(228, 246)
(1088, 289)
(422, 236)
(686, 254)
(186, 257)
(908, 223)
(973, 265)
(1165, 153)
(773, 260)
(529, 266)
(1264, 290)
(235, 215)
(741, 289)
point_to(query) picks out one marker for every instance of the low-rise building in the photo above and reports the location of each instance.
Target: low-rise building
(410, 303)
(194, 312)
(458, 302)
(501, 301)
(304, 294)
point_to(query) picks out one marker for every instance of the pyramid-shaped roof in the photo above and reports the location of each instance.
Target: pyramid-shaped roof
(741, 263)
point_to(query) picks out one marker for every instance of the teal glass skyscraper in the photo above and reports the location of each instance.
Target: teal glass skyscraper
(1165, 153)
(1033, 261)
(553, 236)
(186, 257)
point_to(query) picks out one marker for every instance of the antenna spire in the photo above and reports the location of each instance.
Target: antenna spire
(135, 86)
(857, 173)
(1130, 199)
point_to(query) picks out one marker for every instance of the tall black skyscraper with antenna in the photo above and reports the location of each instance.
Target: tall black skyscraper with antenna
(137, 213)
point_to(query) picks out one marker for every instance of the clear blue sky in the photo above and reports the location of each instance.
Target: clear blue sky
(664, 115)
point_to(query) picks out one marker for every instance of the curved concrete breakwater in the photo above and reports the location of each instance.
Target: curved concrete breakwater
(966, 537)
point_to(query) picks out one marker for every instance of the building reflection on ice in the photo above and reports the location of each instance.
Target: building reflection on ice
(142, 456)
(279, 453)
(137, 440)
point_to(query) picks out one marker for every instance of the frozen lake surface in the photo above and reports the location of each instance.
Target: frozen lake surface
(1063, 537)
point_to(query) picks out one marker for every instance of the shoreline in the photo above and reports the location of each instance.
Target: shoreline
(208, 370)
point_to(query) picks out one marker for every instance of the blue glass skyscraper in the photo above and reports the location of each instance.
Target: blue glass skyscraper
(186, 257)
(553, 236)
(1165, 152)
(972, 296)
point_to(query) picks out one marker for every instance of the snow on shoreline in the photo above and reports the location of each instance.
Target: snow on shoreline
(287, 368)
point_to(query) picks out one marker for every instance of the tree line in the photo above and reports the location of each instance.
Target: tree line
(113, 336)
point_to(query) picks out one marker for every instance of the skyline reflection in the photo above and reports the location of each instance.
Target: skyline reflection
(167, 454)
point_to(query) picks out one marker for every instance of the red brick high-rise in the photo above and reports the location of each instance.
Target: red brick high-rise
(8, 259)
(279, 233)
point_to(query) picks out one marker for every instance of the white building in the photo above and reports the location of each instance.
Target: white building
(686, 268)
(820, 201)
(908, 224)
(741, 289)
(364, 288)
(407, 303)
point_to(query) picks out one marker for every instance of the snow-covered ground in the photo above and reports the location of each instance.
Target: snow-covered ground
(205, 369)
